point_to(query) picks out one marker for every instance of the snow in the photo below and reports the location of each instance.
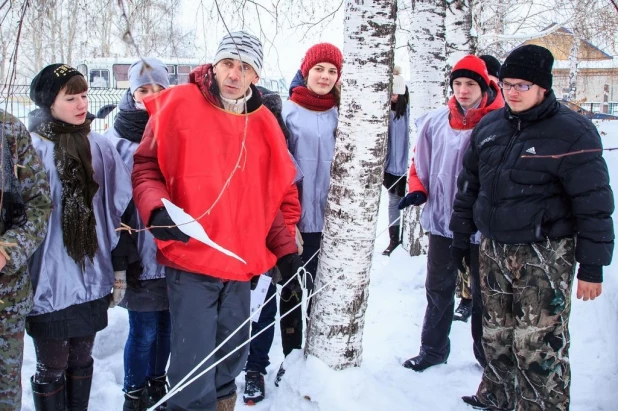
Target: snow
(392, 334)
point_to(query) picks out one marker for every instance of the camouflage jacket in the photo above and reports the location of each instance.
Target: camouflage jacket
(15, 287)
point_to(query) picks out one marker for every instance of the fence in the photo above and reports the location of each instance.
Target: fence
(16, 100)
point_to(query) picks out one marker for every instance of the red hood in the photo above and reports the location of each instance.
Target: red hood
(460, 122)
(203, 76)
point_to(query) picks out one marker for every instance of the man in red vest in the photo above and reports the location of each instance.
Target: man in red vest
(211, 148)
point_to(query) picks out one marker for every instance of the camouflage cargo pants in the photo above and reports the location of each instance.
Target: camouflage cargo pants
(463, 285)
(11, 356)
(527, 302)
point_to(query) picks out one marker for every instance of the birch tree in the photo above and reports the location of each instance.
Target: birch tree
(426, 48)
(458, 35)
(335, 330)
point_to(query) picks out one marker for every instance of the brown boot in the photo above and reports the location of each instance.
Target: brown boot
(227, 403)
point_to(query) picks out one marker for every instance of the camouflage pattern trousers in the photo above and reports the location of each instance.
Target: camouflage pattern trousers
(526, 292)
(463, 289)
(11, 357)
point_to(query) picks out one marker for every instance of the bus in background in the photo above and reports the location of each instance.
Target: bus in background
(113, 73)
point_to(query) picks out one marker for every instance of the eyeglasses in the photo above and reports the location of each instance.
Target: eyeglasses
(517, 87)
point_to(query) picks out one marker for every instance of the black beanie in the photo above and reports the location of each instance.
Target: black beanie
(47, 84)
(492, 63)
(530, 62)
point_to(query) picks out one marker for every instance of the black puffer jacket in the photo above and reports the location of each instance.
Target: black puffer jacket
(513, 195)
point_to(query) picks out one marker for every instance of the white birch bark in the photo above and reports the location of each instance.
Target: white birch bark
(426, 47)
(459, 40)
(335, 330)
(573, 63)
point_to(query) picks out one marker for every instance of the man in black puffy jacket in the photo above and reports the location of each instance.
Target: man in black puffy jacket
(535, 184)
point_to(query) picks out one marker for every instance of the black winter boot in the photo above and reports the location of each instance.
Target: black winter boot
(48, 397)
(463, 311)
(78, 381)
(419, 363)
(394, 234)
(133, 401)
(474, 402)
(157, 388)
(254, 388)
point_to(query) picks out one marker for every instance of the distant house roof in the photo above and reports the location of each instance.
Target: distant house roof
(560, 42)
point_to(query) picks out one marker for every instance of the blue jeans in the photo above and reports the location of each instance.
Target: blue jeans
(147, 349)
(259, 347)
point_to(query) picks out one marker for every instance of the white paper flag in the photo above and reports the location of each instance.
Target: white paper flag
(193, 229)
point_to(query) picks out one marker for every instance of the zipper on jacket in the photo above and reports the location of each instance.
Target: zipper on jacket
(498, 170)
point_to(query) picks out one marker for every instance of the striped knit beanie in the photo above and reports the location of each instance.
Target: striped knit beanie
(242, 46)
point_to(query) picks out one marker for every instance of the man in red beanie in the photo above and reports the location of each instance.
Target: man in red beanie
(538, 214)
(443, 136)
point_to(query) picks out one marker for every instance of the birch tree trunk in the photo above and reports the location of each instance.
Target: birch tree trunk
(426, 47)
(335, 330)
(573, 63)
(458, 38)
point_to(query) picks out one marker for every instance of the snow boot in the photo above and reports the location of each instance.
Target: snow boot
(280, 374)
(226, 403)
(50, 396)
(393, 232)
(463, 311)
(254, 388)
(133, 401)
(474, 401)
(78, 382)
(419, 363)
(155, 390)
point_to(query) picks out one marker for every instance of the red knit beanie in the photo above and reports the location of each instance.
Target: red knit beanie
(471, 67)
(322, 53)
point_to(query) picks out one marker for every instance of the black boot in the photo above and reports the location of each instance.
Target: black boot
(133, 401)
(419, 363)
(393, 232)
(48, 397)
(78, 382)
(463, 311)
(254, 388)
(474, 401)
(157, 388)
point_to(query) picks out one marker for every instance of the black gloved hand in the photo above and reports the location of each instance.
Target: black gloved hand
(414, 198)
(288, 265)
(461, 258)
(160, 217)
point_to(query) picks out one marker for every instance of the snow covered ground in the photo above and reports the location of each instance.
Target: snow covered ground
(392, 334)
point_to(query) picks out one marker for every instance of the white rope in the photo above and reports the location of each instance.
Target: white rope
(185, 381)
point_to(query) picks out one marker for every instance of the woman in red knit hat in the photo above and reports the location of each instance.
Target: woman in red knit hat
(311, 116)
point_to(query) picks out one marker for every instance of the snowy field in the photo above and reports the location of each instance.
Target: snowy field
(392, 334)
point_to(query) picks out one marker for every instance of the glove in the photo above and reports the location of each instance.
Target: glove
(590, 273)
(415, 198)
(134, 271)
(461, 258)
(288, 266)
(161, 218)
(120, 286)
(299, 241)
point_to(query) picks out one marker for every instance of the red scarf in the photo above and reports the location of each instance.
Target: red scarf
(306, 98)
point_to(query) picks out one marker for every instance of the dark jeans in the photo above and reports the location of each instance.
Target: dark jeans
(440, 290)
(259, 348)
(292, 324)
(204, 311)
(53, 357)
(147, 349)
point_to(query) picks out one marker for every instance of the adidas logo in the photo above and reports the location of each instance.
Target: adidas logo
(531, 150)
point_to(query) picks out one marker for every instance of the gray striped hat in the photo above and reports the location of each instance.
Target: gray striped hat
(249, 46)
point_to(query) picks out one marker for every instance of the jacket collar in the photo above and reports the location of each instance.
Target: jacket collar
(545, 109)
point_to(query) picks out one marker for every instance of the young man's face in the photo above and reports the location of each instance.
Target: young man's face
(234, 78)
(520, 100)
(467, 92)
